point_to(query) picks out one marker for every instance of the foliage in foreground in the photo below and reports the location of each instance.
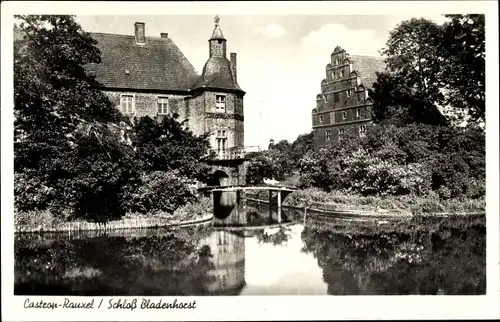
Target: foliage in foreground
(390, 160)
(342, 200)
(76, 156)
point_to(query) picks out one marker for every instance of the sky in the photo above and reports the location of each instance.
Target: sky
(281, 60)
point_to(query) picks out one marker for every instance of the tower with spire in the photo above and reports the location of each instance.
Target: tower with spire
(150, 76)
(219, 99)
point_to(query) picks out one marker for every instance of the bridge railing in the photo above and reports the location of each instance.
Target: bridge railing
(232, 153)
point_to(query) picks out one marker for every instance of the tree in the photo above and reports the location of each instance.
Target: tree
(303, 144)
(433, 67)
(53, 95)
(259, 168)
(64, 126)
(461, 55)
(411, 90)
(394, 102)
(167, 145)
(282, 146)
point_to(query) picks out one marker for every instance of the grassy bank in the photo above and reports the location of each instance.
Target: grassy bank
(46, 221)
(408, 204)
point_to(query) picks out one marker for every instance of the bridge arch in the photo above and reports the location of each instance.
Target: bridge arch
(218, 178)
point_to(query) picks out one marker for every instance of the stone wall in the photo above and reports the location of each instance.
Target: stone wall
(146, 104)
(232, 120)
(196, 114)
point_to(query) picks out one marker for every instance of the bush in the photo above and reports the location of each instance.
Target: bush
(258, 168)
(198, 209)
(373, 176)
(410, 203)
(30, 193)
(413, 159)
(314, 172)
(160, 192)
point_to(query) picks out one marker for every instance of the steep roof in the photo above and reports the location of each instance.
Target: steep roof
(159, 65)
(367, 66)
(217, 74)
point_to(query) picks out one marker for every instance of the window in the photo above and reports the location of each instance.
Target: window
(336, 61)
(335, 97)
(349, 92)
(220, 103)
(333, 75)
(127, 104)
(328, 134)
(321, 119)
(341, 73)
(221, 143)
(162, 105)
(357, 113)
(332, 117)
(362, 131)
(344, 115)
(341, 132)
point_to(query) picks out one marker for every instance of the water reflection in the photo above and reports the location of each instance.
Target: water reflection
(283, 259)
(452, 261)
(227, 271)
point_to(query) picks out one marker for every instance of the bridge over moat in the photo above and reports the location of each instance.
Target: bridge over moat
(230, 202)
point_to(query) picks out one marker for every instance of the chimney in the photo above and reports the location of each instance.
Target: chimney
(233, 65)
(140, 33)
(164, 35)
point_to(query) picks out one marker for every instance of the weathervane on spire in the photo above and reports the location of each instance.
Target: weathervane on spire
(216, 19)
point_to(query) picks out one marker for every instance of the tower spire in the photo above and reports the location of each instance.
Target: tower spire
(217, 34)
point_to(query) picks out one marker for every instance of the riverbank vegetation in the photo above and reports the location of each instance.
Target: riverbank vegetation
(426, 151)
(77, 158)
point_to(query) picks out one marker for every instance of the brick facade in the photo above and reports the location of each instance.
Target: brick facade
(343, 108)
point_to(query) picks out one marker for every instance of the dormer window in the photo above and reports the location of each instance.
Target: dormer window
(336, 61)
(220, 103)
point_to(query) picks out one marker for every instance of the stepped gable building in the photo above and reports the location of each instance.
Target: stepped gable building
(343, 108)
(151, 76)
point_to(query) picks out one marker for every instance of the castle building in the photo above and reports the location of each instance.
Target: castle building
(343, 108)
(150, 76)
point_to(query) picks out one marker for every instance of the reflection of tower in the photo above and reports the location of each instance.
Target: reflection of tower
(229, 208)
(228, 251)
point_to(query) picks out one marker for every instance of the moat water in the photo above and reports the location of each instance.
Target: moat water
(300, 257)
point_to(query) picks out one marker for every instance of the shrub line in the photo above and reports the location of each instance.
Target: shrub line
(113, 225)
(373, 214)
